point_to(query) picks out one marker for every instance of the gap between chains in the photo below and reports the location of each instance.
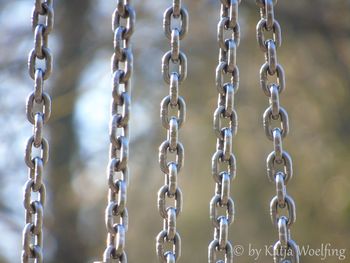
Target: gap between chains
(279, 162)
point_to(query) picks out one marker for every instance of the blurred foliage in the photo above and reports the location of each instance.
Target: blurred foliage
(316, 56)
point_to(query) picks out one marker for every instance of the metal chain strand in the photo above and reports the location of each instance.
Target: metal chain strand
(38, 111)
(116, 214)
(224, 161)
(173, 115)
(279, 163)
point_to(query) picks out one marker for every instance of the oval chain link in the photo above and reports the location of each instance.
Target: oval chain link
(116, 214)
(279, 162)
(225, 127)
(38, 111)
(173, 115)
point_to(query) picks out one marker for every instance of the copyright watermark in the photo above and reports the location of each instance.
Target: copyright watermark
(238, 250)
(322, 251)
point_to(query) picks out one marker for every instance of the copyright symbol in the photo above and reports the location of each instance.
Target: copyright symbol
(238, 250)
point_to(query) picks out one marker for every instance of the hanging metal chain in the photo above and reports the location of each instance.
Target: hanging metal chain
(38, 110)
(116, 214)
(279, 162)
(224, 161)
(175, 26)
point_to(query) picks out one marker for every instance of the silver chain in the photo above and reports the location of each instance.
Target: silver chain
(116, 214)
(172, 123)
(279, 162)
(224, 161)
(38, 110)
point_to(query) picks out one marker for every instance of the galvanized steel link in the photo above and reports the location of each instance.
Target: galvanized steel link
(116, 214)
(223, 160)
(278, 163)
(212, 255)
(281, 253)
(173, 115)
(175, 12)
(38, 111)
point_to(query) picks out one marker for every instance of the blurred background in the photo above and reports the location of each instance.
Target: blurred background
(316, 57)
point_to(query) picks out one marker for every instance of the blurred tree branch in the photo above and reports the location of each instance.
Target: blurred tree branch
(73, 28)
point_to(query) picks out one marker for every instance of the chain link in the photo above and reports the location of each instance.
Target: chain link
(116, 214)
(223, 160)
(175, 26)
(38, 111)
(279, 162)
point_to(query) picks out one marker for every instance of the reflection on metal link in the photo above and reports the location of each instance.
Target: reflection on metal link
(276, 125)
(173, 116)
(38, 111)
(116, 214)
(225, 127)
